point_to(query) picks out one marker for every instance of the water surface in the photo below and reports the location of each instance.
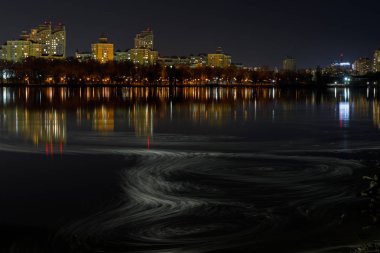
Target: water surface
(186, 170)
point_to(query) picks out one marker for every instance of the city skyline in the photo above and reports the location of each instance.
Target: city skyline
(253, 33)
(48, 40)
(196, 126)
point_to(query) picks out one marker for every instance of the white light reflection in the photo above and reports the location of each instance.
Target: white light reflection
(344, 114)
(171, 110)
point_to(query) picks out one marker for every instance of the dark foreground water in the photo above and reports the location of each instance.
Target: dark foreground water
(187, 170)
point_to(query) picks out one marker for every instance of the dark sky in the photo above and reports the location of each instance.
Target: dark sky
(253, 32)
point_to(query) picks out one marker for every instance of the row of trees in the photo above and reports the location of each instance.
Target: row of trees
(73, 72)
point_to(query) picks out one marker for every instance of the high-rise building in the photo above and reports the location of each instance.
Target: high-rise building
(219, 59)
(338, 69)
(44, 41)
(58, 41)
(362, 66)
(144, 53)
(376, 61)
(52, 38)
(143, 56)
(144, 40)
(103, 51)
(19, 50)
(289, 64)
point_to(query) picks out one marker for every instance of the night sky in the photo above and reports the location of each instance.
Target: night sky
(253, 32)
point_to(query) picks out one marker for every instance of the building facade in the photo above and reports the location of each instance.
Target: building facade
(198, 61)
(175, 61)
(338, 69)
(19, 50)
(44, 41)
(219, 59)
(83, 56)
(145, 40)
(191, 61)
(376, 61)
(289, 64)
(143, 56)
(144, 53)
(103, 51)
(122, 56)
(52, 38)
(362, 66)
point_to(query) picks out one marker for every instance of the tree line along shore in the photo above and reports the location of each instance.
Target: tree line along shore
(37, 71)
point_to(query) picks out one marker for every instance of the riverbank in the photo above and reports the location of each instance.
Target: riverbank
(246, 85)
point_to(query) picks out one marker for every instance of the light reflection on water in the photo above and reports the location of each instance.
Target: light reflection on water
(246, 164)
(40, 115)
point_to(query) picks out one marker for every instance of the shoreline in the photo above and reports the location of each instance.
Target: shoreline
(307, 86)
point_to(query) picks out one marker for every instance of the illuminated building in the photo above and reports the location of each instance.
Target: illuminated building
(58, 41)
(289, 64)
(145, 40)
(338, 69)
(122, 56)
(376, 61)
(219, 59)
(44, 41)
(52, 38)
(198, 61)
(143, 56)
(16, 50)
(144, 53)
(19, 50)
(191, 61)
(83, 56)
(175, 61)
(102, 51)
(362, 66)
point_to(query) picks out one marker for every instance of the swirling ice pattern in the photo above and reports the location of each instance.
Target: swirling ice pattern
(203, 202)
